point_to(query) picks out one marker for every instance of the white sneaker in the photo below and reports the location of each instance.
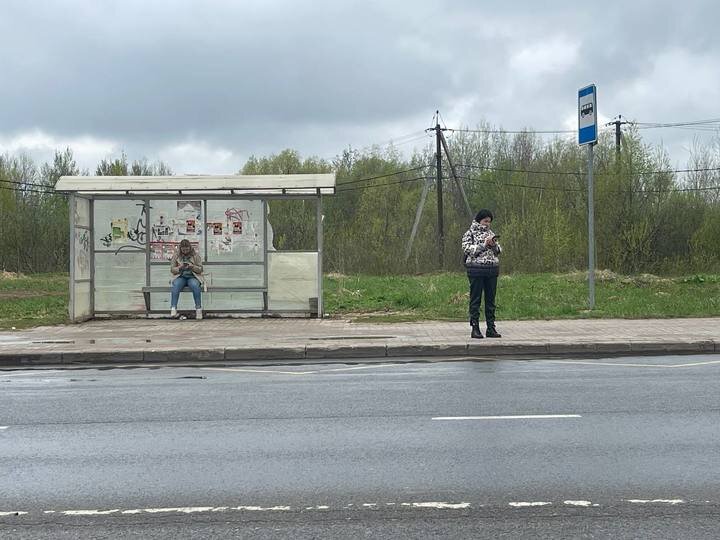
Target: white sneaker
(198, 314)
(173, 312)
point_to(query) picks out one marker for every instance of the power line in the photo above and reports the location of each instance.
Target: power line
(525, 186)
(664, 171)
(621, 191)
(382, 176)
(386, 184)
(25, 184)
(709, 124)
(511, 131)
(650, 125)
(28, 190)
(671, 171)
(19, 183)
(501, 169)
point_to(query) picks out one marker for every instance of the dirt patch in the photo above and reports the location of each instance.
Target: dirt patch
(10, 275)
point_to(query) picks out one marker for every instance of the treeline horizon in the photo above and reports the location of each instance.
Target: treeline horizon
(649, 218)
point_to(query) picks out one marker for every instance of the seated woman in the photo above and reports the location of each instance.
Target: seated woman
(186, 269)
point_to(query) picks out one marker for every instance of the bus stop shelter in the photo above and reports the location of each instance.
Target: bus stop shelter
(125, 229)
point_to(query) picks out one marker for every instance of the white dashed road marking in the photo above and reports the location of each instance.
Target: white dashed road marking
(660, 501)
(580, 503)
(440, 505)
(528, 504)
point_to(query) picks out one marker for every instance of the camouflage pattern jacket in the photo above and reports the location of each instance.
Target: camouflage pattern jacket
(477, 254)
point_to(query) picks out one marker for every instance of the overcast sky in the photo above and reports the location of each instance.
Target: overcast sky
(203, 85)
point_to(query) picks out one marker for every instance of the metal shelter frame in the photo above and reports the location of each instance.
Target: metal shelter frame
(259, 188)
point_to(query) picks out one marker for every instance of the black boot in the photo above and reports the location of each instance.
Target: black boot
(492, 332)
(476, 333)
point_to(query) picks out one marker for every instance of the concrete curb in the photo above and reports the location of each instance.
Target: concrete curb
(487, 349)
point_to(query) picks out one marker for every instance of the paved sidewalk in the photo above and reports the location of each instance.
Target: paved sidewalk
(159, 340)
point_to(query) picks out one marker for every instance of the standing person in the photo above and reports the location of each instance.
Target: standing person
(481, 249)
(186, 269)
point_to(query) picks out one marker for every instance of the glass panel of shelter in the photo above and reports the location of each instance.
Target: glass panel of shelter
(232, 249)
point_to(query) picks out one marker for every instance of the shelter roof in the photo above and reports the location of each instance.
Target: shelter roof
(266, 184)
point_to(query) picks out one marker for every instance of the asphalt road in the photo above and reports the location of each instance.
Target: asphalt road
(613, 448)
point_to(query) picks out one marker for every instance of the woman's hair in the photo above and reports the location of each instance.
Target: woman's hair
(186, 243)
(482, 214)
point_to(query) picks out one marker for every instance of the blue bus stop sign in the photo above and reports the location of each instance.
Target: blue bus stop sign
(587, 115)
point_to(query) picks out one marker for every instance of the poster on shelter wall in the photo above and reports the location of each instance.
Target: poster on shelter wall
(188, 218)
(156, 251)
(164, 251)
(119, 229)
(161, 230)
(169, 249)
(189, 209)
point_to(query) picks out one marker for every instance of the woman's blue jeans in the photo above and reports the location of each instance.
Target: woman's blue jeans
(178, 285)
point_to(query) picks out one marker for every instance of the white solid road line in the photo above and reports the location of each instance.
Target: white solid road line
(374, 366)
(514, 417)
(314, 372)
(622, 364)
(28, 373)
(611, 364)
(259, 371)
(696, 364)
(4, 427)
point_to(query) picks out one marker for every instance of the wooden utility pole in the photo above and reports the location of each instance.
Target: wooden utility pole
(441, 143)
(618, 134)
(438, 159)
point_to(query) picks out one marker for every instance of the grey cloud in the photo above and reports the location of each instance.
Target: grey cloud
(254, 75)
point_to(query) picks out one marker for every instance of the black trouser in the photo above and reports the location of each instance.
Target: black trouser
(477, 286)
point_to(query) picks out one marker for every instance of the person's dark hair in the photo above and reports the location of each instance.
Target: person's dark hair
(482, 214)
(186, 243)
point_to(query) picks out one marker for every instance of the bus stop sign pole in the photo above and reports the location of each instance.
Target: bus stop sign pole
(587, 135)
